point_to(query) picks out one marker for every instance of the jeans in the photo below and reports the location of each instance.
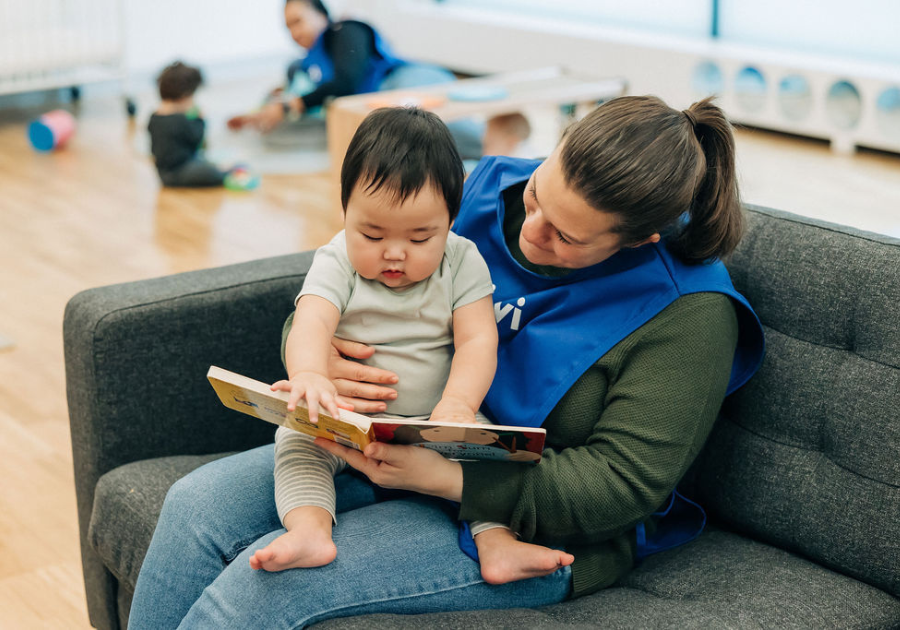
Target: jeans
(394, 556)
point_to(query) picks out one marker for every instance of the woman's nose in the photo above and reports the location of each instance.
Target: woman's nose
(534, 229)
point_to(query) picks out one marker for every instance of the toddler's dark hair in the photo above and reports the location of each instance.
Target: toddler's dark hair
(402, 149)
(178, 81)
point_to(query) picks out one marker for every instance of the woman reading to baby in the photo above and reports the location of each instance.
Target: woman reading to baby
(619, 332)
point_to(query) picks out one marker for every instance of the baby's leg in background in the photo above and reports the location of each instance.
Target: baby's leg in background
(196, 173)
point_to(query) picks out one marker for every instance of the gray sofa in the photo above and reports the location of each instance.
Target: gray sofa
(801, 476)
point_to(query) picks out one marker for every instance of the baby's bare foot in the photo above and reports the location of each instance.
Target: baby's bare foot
(300, 547)
(505, 559)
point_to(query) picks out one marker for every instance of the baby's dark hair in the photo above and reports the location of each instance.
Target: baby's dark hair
(317, 6)
(178, 81)
(402, 149)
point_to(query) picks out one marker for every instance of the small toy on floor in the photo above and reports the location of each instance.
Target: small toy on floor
(240, 178)
(52, 130)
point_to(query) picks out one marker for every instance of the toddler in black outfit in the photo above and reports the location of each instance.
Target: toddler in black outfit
(176, 135)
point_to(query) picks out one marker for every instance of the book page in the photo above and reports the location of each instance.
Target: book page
(465, 441)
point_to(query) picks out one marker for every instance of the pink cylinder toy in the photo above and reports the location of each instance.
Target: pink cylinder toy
(52, 130)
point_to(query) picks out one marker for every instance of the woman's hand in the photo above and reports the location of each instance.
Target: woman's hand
(403, 467)
(236, 123)
(361, 385)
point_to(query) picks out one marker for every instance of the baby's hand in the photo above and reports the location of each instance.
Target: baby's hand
(452, 410)
(316, 389)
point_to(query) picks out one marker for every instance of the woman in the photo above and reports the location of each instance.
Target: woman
(620, 333)
(350, 57)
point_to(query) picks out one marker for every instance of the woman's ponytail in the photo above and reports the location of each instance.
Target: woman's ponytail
(659, 170)
(716, 221)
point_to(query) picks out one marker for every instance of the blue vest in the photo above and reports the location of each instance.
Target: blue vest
(552, 330)
(319, 66)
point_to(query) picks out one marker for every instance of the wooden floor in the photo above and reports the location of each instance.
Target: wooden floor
(93, 214)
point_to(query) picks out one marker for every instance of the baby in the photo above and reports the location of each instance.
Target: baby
(176, 135)
(396, 278)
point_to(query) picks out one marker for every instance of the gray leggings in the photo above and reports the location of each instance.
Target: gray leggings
(194, 172)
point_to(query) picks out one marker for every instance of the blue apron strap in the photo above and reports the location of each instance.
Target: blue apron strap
(467, 541)
(680, 522)
(465, 538)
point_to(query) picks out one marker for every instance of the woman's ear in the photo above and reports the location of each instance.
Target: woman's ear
(653, 238)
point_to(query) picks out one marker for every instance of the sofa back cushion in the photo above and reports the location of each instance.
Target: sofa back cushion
(806, 456)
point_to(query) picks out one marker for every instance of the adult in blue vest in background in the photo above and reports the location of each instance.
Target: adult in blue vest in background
(620, 334)
(346, 57)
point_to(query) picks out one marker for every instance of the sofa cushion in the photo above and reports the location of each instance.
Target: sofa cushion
(127, 504)
(721, 580)
(805, 455)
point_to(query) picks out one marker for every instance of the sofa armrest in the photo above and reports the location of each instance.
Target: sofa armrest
(136, 358)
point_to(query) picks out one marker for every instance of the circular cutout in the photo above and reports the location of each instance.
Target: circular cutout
(843, 105)
(887, 112)
(795, 97)
(750, 89)
(707, 80)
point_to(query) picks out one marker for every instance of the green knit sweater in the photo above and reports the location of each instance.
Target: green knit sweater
(619, 440)
(617, 443)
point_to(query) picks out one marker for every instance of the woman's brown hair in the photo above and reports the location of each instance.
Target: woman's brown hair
(659, 170)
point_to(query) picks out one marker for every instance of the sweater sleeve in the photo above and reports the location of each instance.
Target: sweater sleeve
(349, 45)
(655, 397)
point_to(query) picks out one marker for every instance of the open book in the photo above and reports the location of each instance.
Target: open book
(453, 440)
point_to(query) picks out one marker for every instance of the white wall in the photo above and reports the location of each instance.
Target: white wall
(862, 29)
(202, 32)
(481, 41)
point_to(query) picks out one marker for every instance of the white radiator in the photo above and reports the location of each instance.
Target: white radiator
(48, 44)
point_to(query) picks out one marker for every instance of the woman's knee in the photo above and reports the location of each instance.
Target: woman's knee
(189, 499)
(224, 488)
